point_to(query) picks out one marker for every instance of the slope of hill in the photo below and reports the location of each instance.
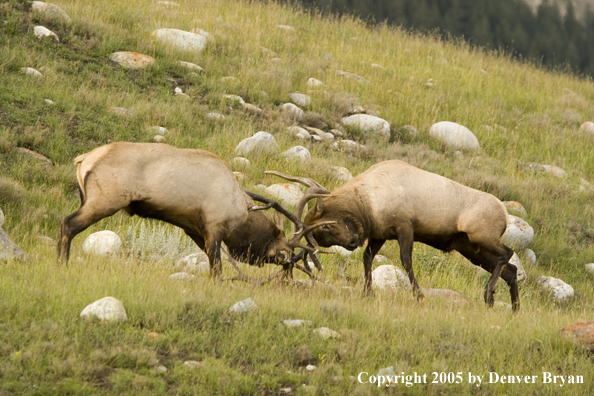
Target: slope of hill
(519, 114)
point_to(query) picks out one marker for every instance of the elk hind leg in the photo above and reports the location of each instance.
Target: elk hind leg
(373, 246)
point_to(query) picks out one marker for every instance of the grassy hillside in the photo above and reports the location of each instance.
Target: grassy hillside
(518, 113)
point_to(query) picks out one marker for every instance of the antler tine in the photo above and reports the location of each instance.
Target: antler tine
(270, 203)
(312, 192)
(306, 230)
(306, 181)
(243, 277)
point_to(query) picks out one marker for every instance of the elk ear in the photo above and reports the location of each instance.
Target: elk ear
(279, 221)
(319, 206)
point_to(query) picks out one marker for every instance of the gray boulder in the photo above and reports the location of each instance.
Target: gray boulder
(454, 136)
(262, 142)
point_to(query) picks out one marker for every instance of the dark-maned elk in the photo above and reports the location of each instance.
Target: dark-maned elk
(395, 200)
(191, 188)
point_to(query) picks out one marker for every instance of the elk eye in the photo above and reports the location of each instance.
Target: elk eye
(325, 227)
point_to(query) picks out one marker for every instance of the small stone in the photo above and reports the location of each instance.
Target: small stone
(299, 132)
(298, 153)
(168, 4)
(300, 99)
(310, 368)
(209, 37)
(521, 273)
(159, 139)
(161, 369)
(559, 290)
(587, 127)
(108, 309)
(555, 171)
(312, 83)
(287, 194)
(102, 243)
(444, 293)
(292, 111)
(180, 39)
(196, 263)
(495, 328)
(371, 126)
(351, 76)
(49, 12)
(286, 28)
(235, 99)
(581, 333)
(159, 130)
(342, 251)
(514, 207)
(518, 233)
(297, 323)
(49, 101)
(388, 277)
(241, 163)
(215, 117)
(529, 256)
(120, 111)
(8, 249)
(454, 136)
(285, 391)
(42, 32)
(193, 364)
(262, 142)
(387, 371)
(132, 60)
(590, 268)
(326, 333)
(252, 108)
(182, 276)
(31, 72)
(243, 307)
(178, 92)
(35, 155)
(341, 173)
(192, 67)
(349, 146)
(152, 335)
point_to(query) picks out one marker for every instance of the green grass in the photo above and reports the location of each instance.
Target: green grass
(46, 349)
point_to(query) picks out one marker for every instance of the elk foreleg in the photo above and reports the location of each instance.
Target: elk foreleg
(373, 246)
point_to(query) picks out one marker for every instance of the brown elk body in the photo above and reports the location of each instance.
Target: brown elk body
(395, 200)
(190, 188)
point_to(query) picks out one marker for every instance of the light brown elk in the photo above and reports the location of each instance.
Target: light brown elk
(395, 200)
(191, 188)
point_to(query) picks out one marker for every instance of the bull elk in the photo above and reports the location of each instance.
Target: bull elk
(395, 200)
(191, 188)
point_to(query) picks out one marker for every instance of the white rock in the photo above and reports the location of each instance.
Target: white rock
(241, 163)
(120, 111)
(261, 142)
(31, 72)
(292, 111)
(312, 83)
(240, 176)
(521, 273)
(300, 99)
(215, 116)
(49, 101)
(1, 218)
(108, 309)
(102, 243)
(168, 4)
(310, 368)
(555, 171)
(234, 98)
(182, 276)
(388, 277)
(371, 126)
(559, 290)
(159, 130)
(514, 207)
(343, 252)
(589, 267)
(287, 194)
(43, 32)
(349, 146)
(326, 333)
(252, 108)
(445, 294)
(454, 136)
(351, 76)
(341, 173)
(529, 256)
(51, 12)
(193, 364)
(196, 263)
(132, 60)
(298, 153)
(299, 132)
(286, 28)
(297, 323)
(387, 371)
(159, 139)
(209, 37)
(518, 233)
(243, 307)
(192, 67)
(180, 39)
(161, 369)
(587, 127)
(381, 259)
